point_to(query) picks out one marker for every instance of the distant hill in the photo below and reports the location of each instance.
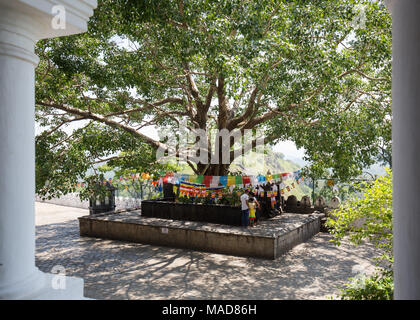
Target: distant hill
(297, 160)
(376, 170)
(254, 164)
(274, 162)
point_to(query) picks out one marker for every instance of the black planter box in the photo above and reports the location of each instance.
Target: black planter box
(212, 213)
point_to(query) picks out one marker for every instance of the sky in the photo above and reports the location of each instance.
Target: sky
(288, 148)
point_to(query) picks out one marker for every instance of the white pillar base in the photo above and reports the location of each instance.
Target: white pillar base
(40, 287)
(72, 291)
(17, 290)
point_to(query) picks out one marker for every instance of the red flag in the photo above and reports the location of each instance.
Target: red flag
(207, 180)
(246, 180)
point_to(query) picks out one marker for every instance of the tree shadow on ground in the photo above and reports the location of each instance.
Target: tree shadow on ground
(122, 270)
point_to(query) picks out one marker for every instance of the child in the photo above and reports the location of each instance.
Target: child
(257, 209)
(252, 205)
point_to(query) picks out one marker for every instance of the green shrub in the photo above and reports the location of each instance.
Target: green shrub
(368, 218)
(379, 286)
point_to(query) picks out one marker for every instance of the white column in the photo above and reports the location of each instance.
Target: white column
(17, 157)
(21, 25)
(406, 146)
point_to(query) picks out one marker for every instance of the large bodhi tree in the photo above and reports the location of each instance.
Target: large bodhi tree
(314, 72)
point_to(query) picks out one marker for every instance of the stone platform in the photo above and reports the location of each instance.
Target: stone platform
(268, 240)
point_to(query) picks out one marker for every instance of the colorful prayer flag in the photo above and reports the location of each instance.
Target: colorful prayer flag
(246, 180)
(231, 181)
(238, 180)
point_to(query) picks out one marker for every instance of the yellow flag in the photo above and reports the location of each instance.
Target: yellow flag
(230, 181)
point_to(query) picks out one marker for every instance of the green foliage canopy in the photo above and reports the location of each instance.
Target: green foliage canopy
(369, 218)
(298, 70)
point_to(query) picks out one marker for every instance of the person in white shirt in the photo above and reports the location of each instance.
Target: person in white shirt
(245, 208)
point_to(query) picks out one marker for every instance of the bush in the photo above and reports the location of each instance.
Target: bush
(368, 218)
(376, 287)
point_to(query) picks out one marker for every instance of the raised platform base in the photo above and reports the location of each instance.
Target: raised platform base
(268, 240)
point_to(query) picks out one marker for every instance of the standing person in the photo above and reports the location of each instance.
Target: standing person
(257, 212)
(252, 205)
(257, 209)
(245, 208)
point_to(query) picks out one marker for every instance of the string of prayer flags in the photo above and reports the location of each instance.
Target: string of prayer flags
(191, 189)
(261, 178)
(210, 181)
(184, 189)
(285, 175)
(254, 180)
(231, 181)
(238, 180)
(207, 180)
(215, 181)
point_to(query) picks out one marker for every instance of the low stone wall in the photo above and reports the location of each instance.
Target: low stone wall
(69, 200)
(73, 200)
(211, 213)
(269, 240)
(310, 227)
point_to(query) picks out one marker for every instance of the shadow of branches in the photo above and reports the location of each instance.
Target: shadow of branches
(122, 270)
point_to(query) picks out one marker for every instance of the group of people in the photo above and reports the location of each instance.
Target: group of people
(251, 209)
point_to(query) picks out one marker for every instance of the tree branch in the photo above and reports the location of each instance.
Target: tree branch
(102, 119)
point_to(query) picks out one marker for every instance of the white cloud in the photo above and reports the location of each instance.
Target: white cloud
(288, 148)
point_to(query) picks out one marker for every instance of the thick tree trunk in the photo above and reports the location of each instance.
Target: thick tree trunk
(218, 170)
(213, 169)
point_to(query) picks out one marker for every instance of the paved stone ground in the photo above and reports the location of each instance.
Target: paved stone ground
(122, 270)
